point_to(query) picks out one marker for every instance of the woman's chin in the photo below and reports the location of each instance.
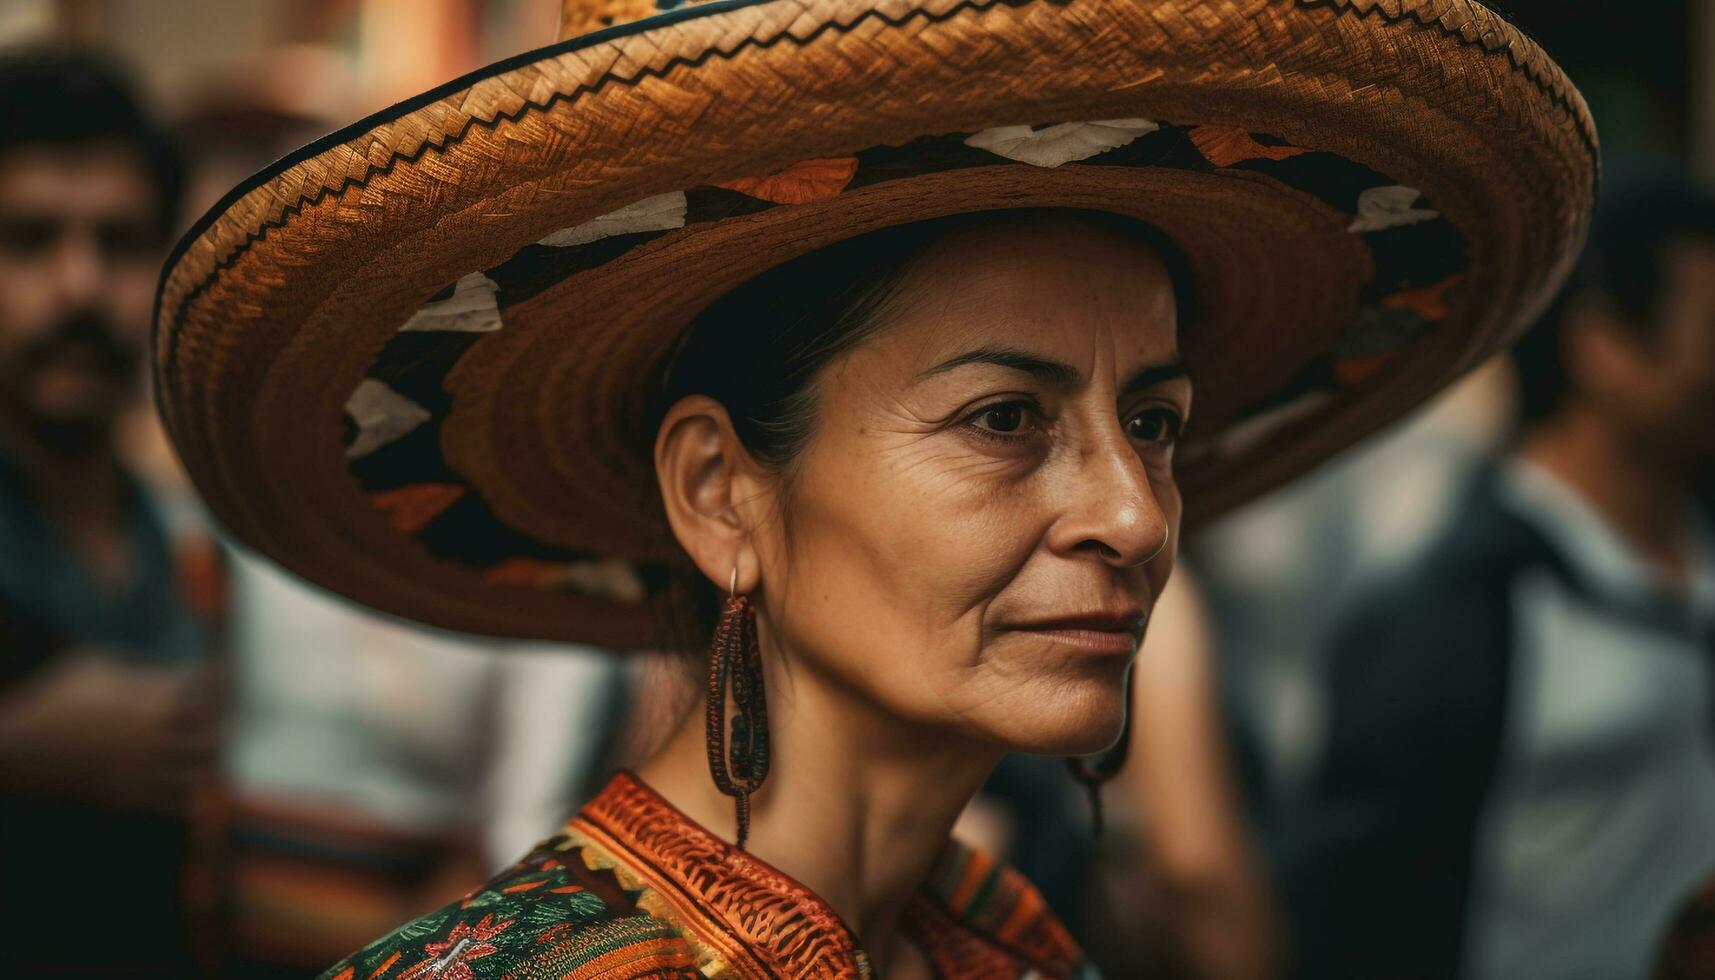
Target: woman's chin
(1054, 728)
(1085, 742)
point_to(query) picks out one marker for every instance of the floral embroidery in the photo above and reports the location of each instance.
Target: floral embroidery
(589, 903)
(450, 958)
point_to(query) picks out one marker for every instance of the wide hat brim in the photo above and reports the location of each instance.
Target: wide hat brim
(414, 361)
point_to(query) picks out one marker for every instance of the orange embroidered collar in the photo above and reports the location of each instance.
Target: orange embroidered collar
(741, 916)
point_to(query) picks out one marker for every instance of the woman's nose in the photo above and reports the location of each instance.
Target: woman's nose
(1111, 507)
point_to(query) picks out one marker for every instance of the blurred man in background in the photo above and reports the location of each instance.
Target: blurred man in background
(106, 727)
(372, 771)
(1519, 778)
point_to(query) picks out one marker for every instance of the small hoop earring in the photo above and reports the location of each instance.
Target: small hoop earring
(735, 660)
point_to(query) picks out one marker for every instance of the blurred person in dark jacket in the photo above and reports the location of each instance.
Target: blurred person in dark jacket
(1519, 777)
(105, 723)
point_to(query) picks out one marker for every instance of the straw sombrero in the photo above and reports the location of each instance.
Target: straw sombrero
(411, 362)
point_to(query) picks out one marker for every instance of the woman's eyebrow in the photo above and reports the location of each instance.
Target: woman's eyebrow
(1046, 371)
(1153, 374)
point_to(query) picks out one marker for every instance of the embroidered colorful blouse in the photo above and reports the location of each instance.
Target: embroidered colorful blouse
(632, 888)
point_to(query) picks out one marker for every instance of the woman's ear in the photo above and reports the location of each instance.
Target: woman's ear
(706, 479)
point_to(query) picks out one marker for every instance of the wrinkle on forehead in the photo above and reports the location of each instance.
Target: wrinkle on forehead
(1057, 287)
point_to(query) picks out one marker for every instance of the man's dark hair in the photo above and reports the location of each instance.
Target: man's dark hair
(1643, 214)
(68, 98)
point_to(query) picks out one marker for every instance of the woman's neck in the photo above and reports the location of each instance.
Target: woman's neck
(857, 807)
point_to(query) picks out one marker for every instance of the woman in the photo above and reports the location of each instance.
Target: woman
(1186, 853)
(709, 318)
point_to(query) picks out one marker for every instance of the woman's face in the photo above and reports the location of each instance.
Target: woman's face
(985, 513)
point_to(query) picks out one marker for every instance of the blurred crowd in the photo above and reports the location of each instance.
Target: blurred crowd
(1446, 709)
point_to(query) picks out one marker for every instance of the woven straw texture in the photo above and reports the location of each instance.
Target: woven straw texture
(280, 305)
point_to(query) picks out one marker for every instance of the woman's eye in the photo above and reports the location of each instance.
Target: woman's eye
(1012, 420)
(1154, 425)
(1002, 418)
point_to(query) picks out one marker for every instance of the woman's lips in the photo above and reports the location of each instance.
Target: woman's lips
(1096, 641)
(1114, 634)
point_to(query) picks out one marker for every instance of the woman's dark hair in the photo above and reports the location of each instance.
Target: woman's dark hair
(758, 349)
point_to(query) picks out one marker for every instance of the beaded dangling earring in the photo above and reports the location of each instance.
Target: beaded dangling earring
(1106, 764)
(735, 655)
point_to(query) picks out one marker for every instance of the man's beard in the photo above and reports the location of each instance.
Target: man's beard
(88, 339)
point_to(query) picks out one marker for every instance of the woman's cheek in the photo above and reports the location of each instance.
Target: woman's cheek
(978, 554)
(910, 537)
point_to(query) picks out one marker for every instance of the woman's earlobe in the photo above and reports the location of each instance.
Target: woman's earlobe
(697, 459)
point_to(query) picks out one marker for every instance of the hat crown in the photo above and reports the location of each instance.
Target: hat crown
(580, 17)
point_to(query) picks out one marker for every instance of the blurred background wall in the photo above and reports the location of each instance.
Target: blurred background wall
(342, 58)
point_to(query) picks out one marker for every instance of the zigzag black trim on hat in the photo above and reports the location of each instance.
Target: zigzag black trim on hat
(372, 122)
(1418, 257)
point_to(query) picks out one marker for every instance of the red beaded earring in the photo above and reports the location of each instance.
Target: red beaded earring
(734, 655)
(1093, 771)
